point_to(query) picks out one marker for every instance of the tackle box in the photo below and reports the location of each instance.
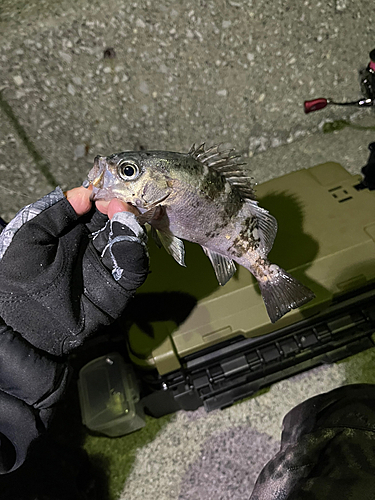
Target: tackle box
(195, 343)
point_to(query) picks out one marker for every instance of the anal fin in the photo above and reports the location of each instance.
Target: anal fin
(224, 268)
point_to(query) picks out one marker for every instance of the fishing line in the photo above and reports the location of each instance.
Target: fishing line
(12, 191)
(40, 162)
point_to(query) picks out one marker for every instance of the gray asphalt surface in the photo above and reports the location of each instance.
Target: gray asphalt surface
(232, 71)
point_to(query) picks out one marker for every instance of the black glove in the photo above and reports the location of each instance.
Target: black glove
(62, 277)
(56, 289)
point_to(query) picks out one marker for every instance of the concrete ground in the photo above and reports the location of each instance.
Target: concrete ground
(83, 78)
(230, 71)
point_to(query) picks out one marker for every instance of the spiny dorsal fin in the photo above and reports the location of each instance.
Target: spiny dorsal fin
(228, 165)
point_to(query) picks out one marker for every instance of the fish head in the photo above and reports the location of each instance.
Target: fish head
(137, 177)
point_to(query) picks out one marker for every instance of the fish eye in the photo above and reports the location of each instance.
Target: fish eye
(127, 170)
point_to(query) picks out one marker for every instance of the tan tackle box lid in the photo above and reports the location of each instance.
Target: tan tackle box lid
(326, 239)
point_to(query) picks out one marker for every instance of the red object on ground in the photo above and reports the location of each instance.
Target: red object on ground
(315, 104)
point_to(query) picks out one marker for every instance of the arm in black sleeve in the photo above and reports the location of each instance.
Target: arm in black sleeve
(30, 386)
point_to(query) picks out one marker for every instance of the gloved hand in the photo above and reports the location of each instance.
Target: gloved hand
(60, 282)
(66, 270)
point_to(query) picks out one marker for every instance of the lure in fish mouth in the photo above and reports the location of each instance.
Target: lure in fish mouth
(205, 196)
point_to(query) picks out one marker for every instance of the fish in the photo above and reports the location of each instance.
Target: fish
(205, 196)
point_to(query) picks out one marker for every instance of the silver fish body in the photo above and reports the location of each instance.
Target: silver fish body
(204, 196)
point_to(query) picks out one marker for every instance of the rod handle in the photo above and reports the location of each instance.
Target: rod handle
(315, 104)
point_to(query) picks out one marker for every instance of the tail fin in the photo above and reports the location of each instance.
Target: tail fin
(281, 293)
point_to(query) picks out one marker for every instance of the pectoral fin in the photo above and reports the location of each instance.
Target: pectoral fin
(173, 245)
(224, 268)
(155, 237)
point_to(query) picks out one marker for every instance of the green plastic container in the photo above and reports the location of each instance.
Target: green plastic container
(109, 397)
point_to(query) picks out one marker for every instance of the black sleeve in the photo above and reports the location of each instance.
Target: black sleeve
(327, 449)
(55, 288)
(30, 386)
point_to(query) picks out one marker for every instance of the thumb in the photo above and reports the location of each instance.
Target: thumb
(79, 198)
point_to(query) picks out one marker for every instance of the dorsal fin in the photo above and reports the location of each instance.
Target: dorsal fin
(228, 165)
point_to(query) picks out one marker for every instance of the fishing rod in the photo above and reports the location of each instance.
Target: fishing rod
(367, 81)
(322, 102)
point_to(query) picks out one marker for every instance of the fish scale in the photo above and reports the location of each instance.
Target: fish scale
(207, 197)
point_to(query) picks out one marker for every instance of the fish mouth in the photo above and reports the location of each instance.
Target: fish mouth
(100, 194)
(96, 174)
